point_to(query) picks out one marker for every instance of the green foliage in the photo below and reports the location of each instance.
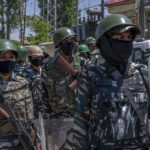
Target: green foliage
(9, 16)
(66, 12)
(39, 27)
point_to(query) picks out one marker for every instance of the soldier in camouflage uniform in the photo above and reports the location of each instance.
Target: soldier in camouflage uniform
(45, 54)
(15, 91)
(113, 104)
(22, 60)
(84, 56)
(94, 52)
(33, 74)
(60, 96)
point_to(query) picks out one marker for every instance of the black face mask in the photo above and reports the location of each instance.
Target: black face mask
(122, 49)
(7, 66)
(67, 48)
(84, 56)
(116, 52)
(36, 62)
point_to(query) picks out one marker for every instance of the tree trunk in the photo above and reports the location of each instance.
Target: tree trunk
(24, 28)
(2, 19)
(8, 20)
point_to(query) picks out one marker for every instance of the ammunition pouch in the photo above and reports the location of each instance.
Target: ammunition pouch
(5, 129)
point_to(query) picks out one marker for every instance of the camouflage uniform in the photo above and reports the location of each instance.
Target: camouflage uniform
(19, 69)
(22, 57)
(61, 99)
(112, 103)
(110, 108)
(82, 58)
(80, 63)
(39, 93)
(45, 54)
(16, 91)
(94, 53)
(141, 56)
(60, 96)
(95, 57)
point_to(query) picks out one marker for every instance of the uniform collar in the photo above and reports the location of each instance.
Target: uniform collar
(13, 77)
(113, 73)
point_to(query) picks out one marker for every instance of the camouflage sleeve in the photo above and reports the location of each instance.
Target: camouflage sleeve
(144, 71)
(49, 82)
(81, 118)
(76, 63)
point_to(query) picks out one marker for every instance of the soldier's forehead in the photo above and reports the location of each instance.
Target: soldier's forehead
(7, 53)
(69, 39)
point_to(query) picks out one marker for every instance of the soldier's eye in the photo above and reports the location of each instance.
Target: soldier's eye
(12, 57)
(2, 57)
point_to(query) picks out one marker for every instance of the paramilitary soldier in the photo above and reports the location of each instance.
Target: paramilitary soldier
(16, 96)
(117, 92)
(84, 56)
(94, 52)
(45, 54)
(22, 60)
(33, 74)
(39, 93)
(61, 98)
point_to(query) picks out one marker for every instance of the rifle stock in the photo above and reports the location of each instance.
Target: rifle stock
(61, 63)
(73, 85)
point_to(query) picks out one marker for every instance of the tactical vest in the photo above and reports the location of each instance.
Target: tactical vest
(18, 95)
(57, 82)
(114, 121)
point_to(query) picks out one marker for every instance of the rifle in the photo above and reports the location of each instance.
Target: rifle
(22, 134)
(61, 63)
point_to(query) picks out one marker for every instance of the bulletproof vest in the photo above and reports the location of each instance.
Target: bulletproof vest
(114, 121)
(18, 95)
(57, 85)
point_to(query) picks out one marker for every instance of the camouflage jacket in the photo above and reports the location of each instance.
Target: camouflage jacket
(39, 92)
(80, 64)
(19, 69)
(16, 92)
(60, 96)
(140, 56)
(95, 57)
(104, 115)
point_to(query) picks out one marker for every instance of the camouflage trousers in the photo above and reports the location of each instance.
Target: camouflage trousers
(60, 135)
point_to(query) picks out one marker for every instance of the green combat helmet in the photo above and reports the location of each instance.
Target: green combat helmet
(7, 45)
(22, 53)
(44, 49)
(90, 41)
(35, 51)
(117, 22)
(62, 34)
(83, 48)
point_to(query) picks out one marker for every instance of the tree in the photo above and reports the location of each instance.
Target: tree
(40, 28)
(10, 11)
(66, 11)
(2, 32)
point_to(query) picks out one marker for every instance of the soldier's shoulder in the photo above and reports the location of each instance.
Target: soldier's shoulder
(22, 80)
(19, 84)
(51, 70)
(94, 71)
(140, 67)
